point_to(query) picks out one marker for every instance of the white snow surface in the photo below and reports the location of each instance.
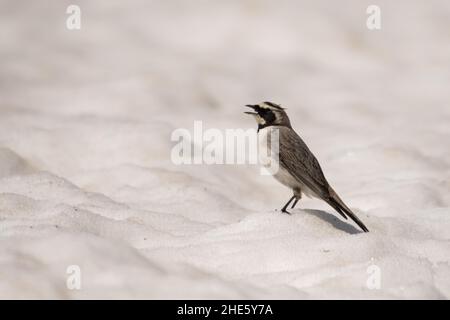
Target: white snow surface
(86, 176)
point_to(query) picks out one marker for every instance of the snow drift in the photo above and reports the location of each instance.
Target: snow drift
(86, 177)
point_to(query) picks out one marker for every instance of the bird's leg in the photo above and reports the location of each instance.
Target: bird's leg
(286, 205)
(298, 196)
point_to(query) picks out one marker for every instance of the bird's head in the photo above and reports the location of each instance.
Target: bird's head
(269, 114)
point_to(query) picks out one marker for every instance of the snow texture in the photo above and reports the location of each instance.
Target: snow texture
(86, 176)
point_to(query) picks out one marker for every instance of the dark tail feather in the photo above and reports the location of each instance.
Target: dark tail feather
(342, 209)
(337, 208)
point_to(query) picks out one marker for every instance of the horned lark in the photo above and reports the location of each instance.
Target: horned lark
(298, 168)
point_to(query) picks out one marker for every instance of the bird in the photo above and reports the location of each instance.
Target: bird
(297, 167)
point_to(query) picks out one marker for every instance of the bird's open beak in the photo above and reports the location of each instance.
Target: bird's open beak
(253, 107)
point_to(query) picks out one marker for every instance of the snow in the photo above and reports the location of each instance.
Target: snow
(86, 177)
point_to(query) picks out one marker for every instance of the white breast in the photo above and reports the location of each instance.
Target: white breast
(269, 158)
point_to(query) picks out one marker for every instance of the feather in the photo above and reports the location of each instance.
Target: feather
(295, 157)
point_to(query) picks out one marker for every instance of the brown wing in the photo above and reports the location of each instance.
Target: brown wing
(296, 157)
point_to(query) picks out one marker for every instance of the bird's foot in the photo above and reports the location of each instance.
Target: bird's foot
(285, 211)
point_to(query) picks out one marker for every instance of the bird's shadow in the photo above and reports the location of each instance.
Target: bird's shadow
(334, 221)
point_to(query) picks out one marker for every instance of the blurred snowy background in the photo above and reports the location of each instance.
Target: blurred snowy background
(86, 177)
